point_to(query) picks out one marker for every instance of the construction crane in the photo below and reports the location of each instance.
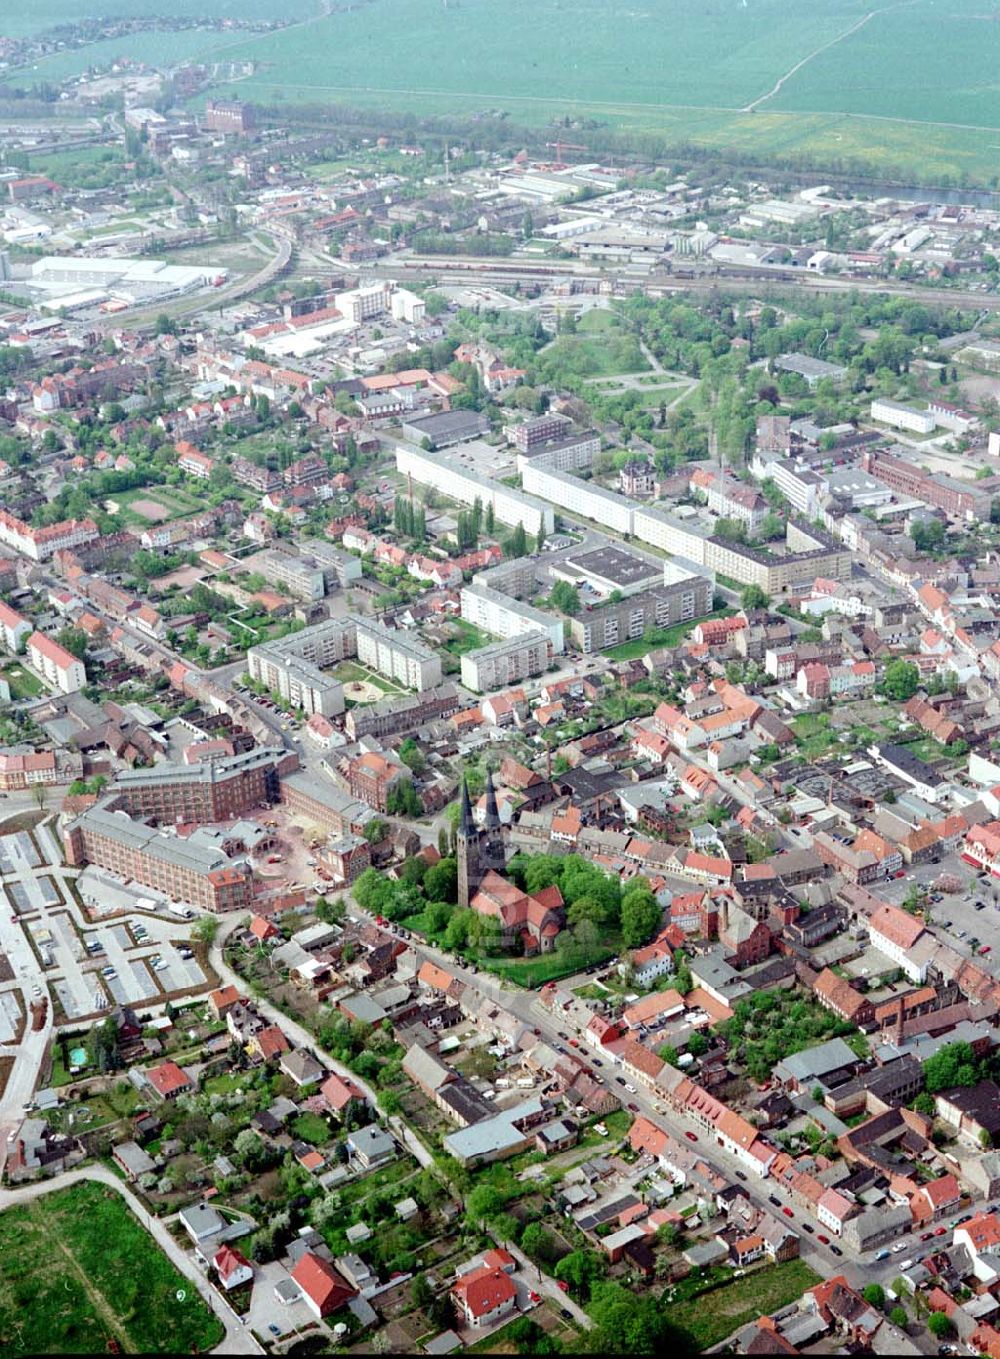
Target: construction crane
(559, 147)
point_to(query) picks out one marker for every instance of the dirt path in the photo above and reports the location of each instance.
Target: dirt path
(824, 47)
(114, 1323)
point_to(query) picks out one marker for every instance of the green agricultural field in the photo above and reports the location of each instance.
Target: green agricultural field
(767, 78)
(63, 1291)
(771, 77)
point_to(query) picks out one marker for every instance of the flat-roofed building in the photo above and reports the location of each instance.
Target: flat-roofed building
(607, 625)
(446, 473)
(506, 662)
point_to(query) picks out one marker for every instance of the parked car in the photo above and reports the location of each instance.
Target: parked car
(836, 1249)
(807, 1227)
(825, 1239)
(690, 1137)
(563, 1285)
(773, 1198)
(788, 1212)
(566, 1314)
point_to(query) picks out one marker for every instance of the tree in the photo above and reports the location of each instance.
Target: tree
(900, 680)
(403, 799)
(421, 1291)
(939, 1325)
(631, 1323)
(412, 756)
(924, 1104)
(376, 830)
(640, 916)
(205, 928)
(565, 597)
(954, 1064)
(581, 1269)
(441, 881)
(73, 640)
(697, 1044)
(898, 1317)
(483, 1203)
(517, 543)
(929, 536)
(754, 597)
(874, 1293)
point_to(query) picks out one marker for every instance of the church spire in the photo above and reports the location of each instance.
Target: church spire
(492, 821)
(466, 826)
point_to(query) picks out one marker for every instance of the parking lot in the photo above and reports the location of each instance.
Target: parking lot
(18, 853)
(956, 916)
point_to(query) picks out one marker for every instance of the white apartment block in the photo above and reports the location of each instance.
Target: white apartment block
(579, 497)
(902, 417)
(574, 453)
(798, 483)
(505, 617)
(366, 303)
(397, 656)
(13, 627)
(407, 306)
(293, 666)
(447, 475)
(55, 665)
(506, 662)
(303, 578)
(669, 535)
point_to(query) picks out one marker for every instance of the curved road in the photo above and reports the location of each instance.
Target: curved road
(307, 1040)
(238, 1340)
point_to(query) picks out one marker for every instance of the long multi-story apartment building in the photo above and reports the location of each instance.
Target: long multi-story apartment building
(505, 617)
(578, 497)
(571, 453)
(216, 789)
(293, 666)
(606, 625)
(446, 473)
(58, 667)
(183, 871)
(42, 543)
(506, 662)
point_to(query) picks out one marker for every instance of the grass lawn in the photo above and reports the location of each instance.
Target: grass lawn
(350, 670)
(709, 1317)
(469, 638)
(630, 651)
(23, 684)
(813, 736)
(312, 1129)
(83, 1296)
(926, 748)
(534, 972)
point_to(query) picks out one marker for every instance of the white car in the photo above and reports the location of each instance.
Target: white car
(900, 1245)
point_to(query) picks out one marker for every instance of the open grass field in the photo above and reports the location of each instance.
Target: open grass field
(63, 1291)
(768, 76)
(908, 86)
(146, 505)
(710, 1317)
